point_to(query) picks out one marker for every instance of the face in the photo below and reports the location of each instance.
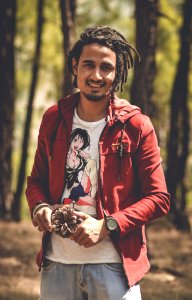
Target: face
(77, 143)
(95, 71)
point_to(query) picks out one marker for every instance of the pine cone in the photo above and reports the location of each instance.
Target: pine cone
(64, 221)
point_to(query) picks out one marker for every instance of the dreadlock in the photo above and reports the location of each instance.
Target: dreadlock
(112, 39)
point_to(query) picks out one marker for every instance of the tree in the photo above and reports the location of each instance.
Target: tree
(146, 40)
(7, 96)
(178, 139)
(68, 9)
(16, 211)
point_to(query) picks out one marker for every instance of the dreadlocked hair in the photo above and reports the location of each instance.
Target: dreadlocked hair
(112, 39)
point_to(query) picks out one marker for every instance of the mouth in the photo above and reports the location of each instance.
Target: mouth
(95, 85)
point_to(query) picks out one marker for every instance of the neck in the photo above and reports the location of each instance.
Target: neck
(91, 111)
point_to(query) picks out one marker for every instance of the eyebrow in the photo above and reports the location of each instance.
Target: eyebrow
(88, 61)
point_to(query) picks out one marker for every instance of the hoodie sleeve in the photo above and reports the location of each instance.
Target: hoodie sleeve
(153, 201)
(37, 182)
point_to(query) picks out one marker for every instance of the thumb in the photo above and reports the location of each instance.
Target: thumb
(81, 215)
(34, 223)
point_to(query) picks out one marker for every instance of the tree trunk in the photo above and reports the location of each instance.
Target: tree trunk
(68, 9)
(146, 40)
(178, 141)
(16, 209)
(7, 96)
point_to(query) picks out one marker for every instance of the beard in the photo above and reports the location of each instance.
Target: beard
(94, 97)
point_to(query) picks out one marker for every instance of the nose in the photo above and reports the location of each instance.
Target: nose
(96, 74)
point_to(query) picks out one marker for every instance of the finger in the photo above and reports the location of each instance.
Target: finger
(82, 236)
(43, 218)
(80, 239)
(76, 235)
(84, 241)
(88, 244)
(46, 219)
(38, 220)
(40, 229)
(81, 215)
(34, 223)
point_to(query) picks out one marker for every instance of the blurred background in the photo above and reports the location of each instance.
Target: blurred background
(35, 37)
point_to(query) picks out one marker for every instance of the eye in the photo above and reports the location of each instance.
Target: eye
(106, 68)
(88, 65)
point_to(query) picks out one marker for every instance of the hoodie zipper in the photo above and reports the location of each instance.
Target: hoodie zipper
(45, 237)
(100, 178)
(68, 138)
(68, 144)
(120, 151)
(101, 187)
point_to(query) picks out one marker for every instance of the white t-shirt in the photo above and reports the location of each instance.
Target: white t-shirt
(81, 186)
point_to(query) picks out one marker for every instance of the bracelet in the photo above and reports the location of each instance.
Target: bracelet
(38, 206)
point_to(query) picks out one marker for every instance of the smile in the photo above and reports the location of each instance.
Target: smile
(95, 85)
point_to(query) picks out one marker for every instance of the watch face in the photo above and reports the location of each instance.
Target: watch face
(111, 224)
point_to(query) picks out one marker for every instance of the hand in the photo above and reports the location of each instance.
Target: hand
(42, 218)
(90, 231)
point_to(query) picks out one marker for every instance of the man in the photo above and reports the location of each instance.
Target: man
(100, 152)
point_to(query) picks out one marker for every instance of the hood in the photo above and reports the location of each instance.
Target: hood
(67, 104)
(121, 110)
(118, 109)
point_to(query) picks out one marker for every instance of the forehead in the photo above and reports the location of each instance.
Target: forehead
(98, 52)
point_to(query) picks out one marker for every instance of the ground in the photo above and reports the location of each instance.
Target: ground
(170, 277)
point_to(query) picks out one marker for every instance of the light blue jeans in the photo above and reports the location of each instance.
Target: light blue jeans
(85, 282)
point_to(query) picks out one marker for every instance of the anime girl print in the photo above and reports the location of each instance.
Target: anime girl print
(81, 171)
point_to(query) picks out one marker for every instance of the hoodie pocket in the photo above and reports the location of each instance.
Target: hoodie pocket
(117, 159)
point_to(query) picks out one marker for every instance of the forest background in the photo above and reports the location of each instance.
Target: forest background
(35, 37)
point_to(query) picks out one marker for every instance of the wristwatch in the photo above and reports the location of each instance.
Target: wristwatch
(111, 224)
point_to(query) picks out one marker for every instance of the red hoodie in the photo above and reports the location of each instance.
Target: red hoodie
(131, 184)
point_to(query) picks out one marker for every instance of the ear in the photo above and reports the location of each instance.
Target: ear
(74, 66)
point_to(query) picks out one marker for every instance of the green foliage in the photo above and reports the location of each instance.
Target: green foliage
(52, 53)
(24, 44)
(118, 14)
(52, 60)
(189, 198)
(167, 52)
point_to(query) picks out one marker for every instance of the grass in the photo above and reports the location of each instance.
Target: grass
(18, 296)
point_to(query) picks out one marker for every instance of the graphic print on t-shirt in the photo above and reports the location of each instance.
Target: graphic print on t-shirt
(81, 173)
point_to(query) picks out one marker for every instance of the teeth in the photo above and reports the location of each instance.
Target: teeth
(94, 85)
